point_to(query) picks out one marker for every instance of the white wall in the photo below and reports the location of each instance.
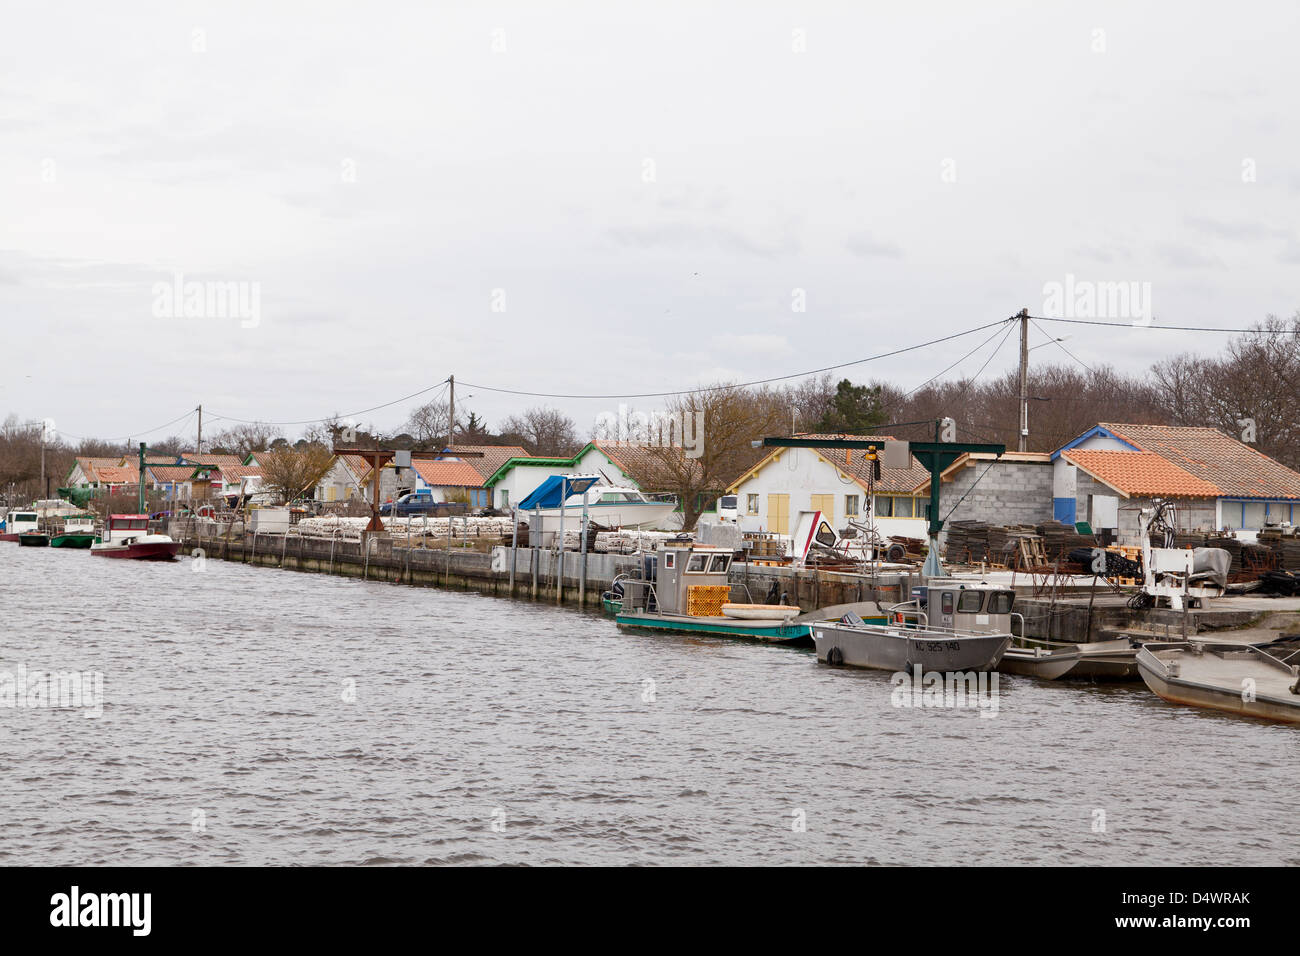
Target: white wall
(801, 473)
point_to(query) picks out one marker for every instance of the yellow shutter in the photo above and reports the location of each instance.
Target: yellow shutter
(826, 505)
(778, 514)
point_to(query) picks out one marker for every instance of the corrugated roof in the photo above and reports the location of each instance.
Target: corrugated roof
(447, 474)
(1140, 473)
(1235, 468)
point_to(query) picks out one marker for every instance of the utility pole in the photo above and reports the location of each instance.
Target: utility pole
(1023, 444)
(44, 490)
(451, 414)
(200, 451)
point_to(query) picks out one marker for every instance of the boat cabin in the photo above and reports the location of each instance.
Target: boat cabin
(79, 524)
(953, 605)
(123, 528)
(667, 577)
(21, 522)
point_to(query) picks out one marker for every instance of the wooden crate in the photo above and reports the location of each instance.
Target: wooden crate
(706, 600)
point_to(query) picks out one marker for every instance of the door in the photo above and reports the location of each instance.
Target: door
(826, 505)
(778, 514)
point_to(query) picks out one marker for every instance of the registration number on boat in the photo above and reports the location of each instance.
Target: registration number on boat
(939, 645)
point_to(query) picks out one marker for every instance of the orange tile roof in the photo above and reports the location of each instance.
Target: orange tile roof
(357, 465)
(448, 474)
(171, 472)
(233, 473)
(1238, 470)
(118, 475)
(1141, 473)
(221, 461)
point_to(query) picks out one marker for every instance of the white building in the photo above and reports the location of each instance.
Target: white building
(837, 483)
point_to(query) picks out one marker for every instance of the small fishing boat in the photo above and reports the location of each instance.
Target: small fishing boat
(18, 523)
(78, 532)
(34, 539)
(1234, 678)
(127, 536)
(950, 626)
(1054, 660)
(684, 587)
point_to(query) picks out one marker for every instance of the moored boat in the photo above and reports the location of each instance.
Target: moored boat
(127, 536)
(951, 626)
(1048, 660)
(78, 532)
(1234, 678)
(34, 539)
(18, 523)
(562, 498)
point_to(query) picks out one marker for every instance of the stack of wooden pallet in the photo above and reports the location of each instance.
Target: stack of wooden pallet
(1059, 539)
(706, 600)
(968, 541)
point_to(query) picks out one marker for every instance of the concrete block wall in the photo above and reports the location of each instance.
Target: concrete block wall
(1010, 493)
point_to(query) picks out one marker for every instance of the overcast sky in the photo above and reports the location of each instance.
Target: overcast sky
(642, 186)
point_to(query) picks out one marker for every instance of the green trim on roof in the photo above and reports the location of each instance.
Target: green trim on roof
(539, 462)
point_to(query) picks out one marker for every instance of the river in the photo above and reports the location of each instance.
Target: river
(258, 716)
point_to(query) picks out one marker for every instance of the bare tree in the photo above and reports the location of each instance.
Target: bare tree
(292, 472)
(543, 431)
(242, 439)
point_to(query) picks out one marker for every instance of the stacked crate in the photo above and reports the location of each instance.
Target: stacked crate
(706, 600)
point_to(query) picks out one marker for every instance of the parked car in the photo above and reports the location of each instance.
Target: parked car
(411, 503)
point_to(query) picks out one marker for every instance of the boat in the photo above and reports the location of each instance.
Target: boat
(684, 587)
(1234, 678)
(950, 626)
(34, 539)
(127, 536)
(1053, 660)
(610, 506)
(18, 523)
(78, 532)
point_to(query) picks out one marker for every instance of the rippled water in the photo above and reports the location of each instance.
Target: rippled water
(224, 694)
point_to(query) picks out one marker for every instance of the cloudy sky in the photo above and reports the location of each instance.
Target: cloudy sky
(615, 197)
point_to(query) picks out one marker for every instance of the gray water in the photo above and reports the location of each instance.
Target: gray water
(226, 738)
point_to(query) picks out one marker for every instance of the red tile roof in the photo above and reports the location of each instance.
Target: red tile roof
(1236, 469)
(118, 475)
(447, 474)
(1141, 473)
(220, 461)
(171, 472)
(357, 465)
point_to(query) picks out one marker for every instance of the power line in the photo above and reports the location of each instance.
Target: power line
(312, 421)
(761, 381)
(1167, 328)
(131, 435)
(1058, 344)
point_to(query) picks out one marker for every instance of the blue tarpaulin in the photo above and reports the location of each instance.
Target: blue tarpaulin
(549, 493)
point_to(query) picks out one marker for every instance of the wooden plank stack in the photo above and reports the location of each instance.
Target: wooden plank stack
(1059, 539)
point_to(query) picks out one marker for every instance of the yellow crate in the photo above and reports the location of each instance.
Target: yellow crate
(706, 600)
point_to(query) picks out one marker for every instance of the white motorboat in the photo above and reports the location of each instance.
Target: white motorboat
(610, 506)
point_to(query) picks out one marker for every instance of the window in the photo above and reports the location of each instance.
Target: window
(670, 560)
(945, 605)
(696, 564)
(729, 501)
(851, 505)
(1000, 602)
(751, 504)
(970, 602)
(884, 506)
(902, 507)
(718, 564)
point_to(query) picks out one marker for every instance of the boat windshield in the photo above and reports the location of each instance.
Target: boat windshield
(131, 524)
(619, 496)
(1000, 602)
(718, 564)
(696, 564)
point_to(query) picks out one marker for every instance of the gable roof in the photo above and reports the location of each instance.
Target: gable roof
(447, 474)
(356, 464)
(856, 467)
(219, 460)
(644, 464)
(1141, 473)
(89, 466)
(492, 456)
(118, 475)
(1237, 469)
(170, 472)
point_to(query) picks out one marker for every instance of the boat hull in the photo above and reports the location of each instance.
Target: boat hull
(630, 514)
(34, 540)
(73, 540)
(773, 631)
(141, 551)
(899, 649)
(1097, 661)
(10, 536)
(1270, 702)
